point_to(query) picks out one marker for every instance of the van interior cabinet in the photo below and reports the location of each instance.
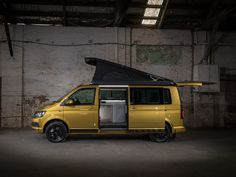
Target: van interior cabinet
(113, 108)
(113, 111)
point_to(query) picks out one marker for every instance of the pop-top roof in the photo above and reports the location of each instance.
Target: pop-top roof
(109, 73)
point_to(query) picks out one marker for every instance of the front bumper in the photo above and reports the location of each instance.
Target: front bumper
(36, 125)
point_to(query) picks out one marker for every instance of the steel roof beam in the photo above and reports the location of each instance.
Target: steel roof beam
(163, 13)
(120, 12)
(6, 9)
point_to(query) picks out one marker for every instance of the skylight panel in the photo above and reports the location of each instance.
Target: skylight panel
(148, 22)
(155, 2)
(151, 12)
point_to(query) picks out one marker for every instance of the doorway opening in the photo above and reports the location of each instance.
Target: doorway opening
(113, 108)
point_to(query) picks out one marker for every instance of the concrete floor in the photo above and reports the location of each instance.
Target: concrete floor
(205, 153)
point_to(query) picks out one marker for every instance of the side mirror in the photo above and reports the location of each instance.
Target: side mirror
(69, 102)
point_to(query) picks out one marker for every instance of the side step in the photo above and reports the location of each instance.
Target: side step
(112, 129)
(113, 125)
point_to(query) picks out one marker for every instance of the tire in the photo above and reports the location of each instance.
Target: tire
(56, 132)
(161, 137)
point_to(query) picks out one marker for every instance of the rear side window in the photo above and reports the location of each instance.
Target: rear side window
(166, 96)
(145, 96)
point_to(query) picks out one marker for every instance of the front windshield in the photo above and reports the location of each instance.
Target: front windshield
(61, 98)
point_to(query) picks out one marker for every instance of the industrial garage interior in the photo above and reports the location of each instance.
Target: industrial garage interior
(43, 45)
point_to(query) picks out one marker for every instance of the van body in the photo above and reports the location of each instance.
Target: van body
(113, 109)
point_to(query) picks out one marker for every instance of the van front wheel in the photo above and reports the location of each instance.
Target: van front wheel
(56, 132)
(161, 137)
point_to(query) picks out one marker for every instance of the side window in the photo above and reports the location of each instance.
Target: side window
(137, 96)
(115, 94)
(84, 96)
(166, 96)
(153, 96)
(145, 96)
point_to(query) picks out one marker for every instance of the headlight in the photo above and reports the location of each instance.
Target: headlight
(39, 114)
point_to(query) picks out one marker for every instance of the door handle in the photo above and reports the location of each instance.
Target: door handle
(132, 108)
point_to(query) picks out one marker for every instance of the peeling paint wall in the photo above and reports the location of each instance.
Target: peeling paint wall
(160, 55)
(38, 74)
(217, 109)
(11, 72)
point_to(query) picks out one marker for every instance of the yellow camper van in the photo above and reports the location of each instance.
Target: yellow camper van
(119, 100)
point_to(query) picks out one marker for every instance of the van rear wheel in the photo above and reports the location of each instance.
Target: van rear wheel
(161, 137)
(56, 132)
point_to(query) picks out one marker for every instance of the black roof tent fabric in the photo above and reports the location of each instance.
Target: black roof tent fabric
(109, 73)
